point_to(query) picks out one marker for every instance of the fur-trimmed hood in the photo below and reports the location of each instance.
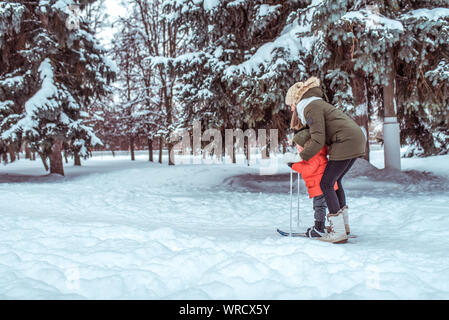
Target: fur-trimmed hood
(297, 91)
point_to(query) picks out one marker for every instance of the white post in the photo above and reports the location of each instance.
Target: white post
(391, 134)
(392, 147)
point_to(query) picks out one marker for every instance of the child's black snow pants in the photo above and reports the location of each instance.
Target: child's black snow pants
(319, 206)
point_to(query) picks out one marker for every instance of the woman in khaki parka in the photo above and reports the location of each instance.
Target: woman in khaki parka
(345, 140)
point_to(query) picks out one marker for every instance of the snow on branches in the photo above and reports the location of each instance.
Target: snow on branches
(52, 72)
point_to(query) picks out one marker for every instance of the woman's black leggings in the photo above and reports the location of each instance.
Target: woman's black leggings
(334, 172)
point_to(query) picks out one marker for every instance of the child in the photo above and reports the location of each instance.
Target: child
(312, 171)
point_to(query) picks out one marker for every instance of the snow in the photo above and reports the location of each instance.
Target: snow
(47, 92)
(209, 5)
(14, 11)
(429, 14)
(218, 52)
(266, 10)
(11, 82)
(110, 64)
(44, 98)
(440, 73)
(288, 41)
(64, 5)
(295, 40)
(361, 109)
(374, 20)
(5, 105)
(235, 3)
(120, 229)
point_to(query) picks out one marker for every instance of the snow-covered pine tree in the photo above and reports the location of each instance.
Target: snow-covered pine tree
(385, 51)
(423, 78)
(157, 42)
(276, 57)
(128, 98)
(50, 68)
(212, 46)
(352, 53)
(242, 57)
(149, 112)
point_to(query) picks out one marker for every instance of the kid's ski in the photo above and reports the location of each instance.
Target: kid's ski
(303, 234)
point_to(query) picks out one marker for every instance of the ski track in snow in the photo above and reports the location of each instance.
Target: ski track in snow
(154, 232)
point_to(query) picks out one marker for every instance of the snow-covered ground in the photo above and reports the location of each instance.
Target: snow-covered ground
(120, 229)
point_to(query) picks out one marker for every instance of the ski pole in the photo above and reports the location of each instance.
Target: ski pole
(291, 201)
(297, 220)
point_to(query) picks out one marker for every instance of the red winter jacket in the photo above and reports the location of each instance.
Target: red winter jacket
(312, 172)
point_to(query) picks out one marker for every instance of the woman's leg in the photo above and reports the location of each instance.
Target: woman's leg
(335, 170)
(341, 192)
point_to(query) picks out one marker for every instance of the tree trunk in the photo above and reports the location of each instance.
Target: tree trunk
(66, 158)
(160, 149)
(150, 150)
(131, 148)
(264, 148)
(171, 161)
(33, 156)
(12, 154)
(27, 151)
(5, 158)
(203, 144)
(361, 105)
(56, 165)
(247, 150)
(44, 160)
(223, 148)
(268, 147)
(77, 159)
(192, 153)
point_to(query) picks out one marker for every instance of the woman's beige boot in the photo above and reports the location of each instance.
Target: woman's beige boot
(337, 230)
(346, 219)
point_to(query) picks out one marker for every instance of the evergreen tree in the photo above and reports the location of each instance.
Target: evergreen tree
(373, 51)
(51, 68)
(243, 55)
(376, 58)
(123, 115)
(423, 74)
(158, 42)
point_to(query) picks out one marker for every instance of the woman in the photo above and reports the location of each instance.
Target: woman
(346, 141)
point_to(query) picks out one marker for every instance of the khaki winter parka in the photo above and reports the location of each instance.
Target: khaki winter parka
(330, 126)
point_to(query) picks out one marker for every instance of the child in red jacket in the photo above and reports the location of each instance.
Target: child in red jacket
(312, 171)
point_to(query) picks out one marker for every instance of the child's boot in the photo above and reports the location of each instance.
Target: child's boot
(346, 219)
(336, 230)
(317, 231)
